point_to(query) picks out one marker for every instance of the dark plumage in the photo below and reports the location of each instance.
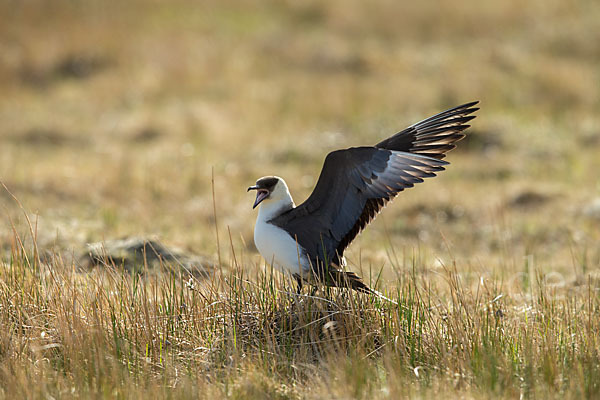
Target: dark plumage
(356, 183)
(434, 136)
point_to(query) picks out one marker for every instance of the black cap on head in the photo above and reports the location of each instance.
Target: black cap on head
(267, 182)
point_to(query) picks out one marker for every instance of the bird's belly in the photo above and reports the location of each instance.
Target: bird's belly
(279, 249)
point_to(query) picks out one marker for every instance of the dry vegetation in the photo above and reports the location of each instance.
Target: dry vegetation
(114, 115)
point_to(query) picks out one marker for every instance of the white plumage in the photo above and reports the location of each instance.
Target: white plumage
(276, 245)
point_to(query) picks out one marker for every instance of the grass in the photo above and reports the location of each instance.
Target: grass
(110, 333)
(150, 118)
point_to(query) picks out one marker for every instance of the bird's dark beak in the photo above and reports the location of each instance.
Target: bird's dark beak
(261, 194)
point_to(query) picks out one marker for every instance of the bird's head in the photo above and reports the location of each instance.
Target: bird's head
(270, 189)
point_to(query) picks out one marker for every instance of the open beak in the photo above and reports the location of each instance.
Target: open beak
(261, 194)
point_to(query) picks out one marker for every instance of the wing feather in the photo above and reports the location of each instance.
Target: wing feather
(356, 183)
(434, 136)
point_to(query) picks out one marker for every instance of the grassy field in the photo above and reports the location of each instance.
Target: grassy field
(121, 119)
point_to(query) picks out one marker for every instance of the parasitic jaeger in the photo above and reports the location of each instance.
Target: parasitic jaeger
(309, 240)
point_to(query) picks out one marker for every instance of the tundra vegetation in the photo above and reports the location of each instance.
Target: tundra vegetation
(151, 118)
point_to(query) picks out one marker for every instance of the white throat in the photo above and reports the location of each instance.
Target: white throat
(276, 245)
(279, 200)
(269, 209)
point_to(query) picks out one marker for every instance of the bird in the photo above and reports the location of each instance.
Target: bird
(308, 241)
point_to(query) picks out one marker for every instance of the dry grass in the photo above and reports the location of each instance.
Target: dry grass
(113, 116)
(110, 334)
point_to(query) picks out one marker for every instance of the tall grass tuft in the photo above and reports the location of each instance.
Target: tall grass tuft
(107, 332)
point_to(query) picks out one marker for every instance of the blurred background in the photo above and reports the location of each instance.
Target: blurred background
(114, 115)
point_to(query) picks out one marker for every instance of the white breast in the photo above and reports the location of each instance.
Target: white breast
(276, 245)
(279, 249)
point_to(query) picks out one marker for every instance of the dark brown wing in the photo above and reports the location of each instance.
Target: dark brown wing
(356, 183)
(434, 136)
(351, 181)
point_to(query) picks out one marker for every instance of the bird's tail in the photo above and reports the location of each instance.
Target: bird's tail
(348, 279)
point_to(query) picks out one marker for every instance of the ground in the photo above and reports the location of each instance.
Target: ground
(150, 118)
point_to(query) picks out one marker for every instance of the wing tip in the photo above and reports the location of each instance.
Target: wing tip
(470, 104)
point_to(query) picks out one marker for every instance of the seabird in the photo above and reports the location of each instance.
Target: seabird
(309, 240)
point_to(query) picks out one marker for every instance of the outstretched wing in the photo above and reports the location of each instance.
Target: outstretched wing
(434, 136)
(356, 183)
(351, 181)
